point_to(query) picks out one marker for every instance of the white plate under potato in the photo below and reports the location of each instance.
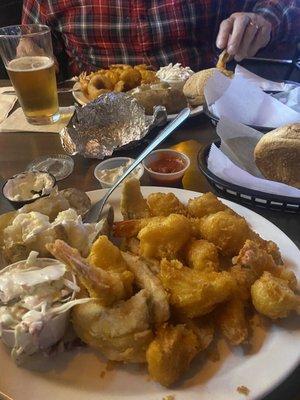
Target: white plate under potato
(82, 100)
(76, 374)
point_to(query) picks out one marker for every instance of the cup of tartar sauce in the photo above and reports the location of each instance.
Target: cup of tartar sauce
(110, 170)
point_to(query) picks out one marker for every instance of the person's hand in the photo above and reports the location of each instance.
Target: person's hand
(243, 34)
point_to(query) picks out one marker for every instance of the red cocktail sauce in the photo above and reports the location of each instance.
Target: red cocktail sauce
(166, 165)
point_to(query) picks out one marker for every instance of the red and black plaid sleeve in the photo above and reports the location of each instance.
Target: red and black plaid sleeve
(38, 12)
(284, 16)
(97, 33)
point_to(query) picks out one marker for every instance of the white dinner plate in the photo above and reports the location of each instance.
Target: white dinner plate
(82, 100)
(76, 374)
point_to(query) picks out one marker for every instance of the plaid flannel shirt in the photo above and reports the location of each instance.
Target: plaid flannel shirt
(96, 33)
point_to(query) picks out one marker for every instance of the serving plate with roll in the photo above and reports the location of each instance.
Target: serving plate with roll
(172, 86)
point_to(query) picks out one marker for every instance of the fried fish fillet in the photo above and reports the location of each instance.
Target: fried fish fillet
(145, 279)
(133, 205)
(174, 347)
(232, 321)
(121, 332)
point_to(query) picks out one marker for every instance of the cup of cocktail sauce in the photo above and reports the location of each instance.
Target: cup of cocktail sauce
(166, 166)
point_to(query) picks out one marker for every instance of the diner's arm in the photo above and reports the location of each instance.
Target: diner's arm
(284, 16)
(256, 24)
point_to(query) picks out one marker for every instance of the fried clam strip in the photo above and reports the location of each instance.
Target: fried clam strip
(108, 287)
(194, 293)
(144, 278)
(121, 332)
(174, 347)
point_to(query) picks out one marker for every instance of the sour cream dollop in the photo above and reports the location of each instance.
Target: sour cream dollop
(113, 174)
(174, 73)
(28, 186)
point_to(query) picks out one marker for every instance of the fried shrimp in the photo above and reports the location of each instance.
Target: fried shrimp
(107, 256)
(106, 286)
(194, 293)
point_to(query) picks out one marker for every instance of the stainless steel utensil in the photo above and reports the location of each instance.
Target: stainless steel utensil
(94, 213)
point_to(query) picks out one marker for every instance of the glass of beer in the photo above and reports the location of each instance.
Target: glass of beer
(27, 53)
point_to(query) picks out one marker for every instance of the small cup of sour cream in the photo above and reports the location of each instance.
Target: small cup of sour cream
(110, 170)
(28, 186)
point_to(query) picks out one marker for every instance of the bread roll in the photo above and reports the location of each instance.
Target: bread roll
(277, 155)
(193, 89)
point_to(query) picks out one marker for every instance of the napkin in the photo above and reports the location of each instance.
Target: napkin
(17, 122)
(240, 100)
(234, 160)
(290, 98)
(6, 102)
(263, 83)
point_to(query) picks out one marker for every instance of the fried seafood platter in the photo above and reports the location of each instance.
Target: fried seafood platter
(172, 86)
(185, 295)
(117, 78)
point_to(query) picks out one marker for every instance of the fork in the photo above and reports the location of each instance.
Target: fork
(94, 213)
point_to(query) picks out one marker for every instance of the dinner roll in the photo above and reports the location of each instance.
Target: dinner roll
(193, 89)
(277, 155)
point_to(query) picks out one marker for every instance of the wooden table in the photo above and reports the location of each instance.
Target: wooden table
(18, 149)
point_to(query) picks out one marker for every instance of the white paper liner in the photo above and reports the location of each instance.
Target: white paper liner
(263, 83)
(234, 161)
(240, 100)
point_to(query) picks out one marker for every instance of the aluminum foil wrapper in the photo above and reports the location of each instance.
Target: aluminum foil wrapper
(113, 121)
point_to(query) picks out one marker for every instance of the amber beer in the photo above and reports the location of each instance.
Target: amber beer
(35, 83)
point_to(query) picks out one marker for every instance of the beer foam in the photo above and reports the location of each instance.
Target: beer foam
(30, 63)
